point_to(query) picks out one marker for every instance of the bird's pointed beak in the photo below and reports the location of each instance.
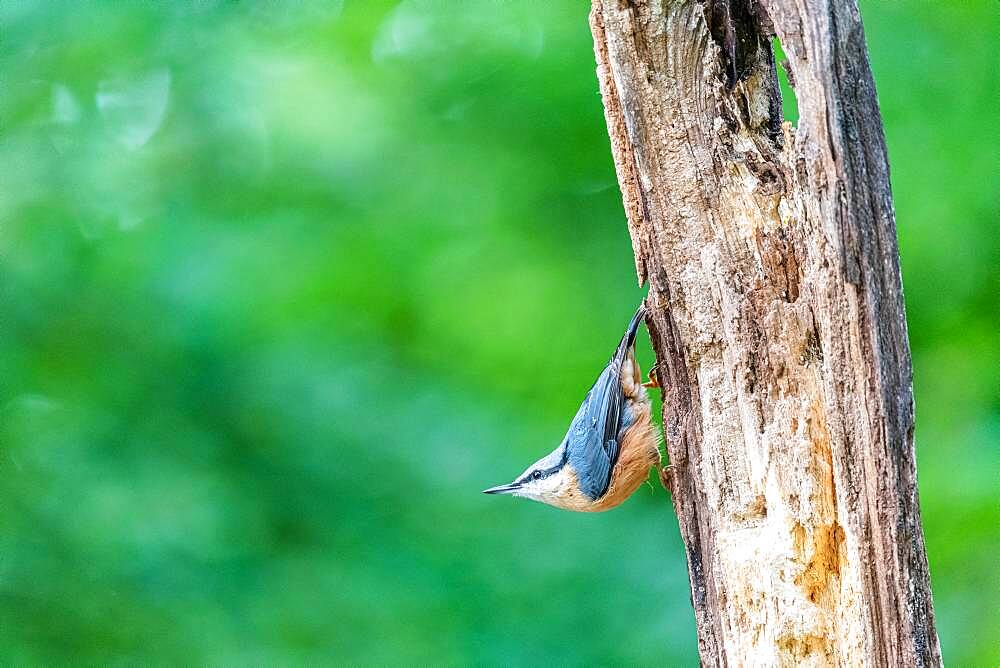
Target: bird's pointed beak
(503, 489)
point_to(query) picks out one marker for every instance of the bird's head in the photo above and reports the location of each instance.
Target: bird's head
(549, 480)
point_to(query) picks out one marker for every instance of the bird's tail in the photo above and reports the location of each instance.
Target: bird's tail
(628, 340)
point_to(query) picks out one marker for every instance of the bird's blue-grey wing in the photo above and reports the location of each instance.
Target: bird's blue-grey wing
(593, 438)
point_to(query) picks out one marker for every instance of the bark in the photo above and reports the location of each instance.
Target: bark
(778, 324)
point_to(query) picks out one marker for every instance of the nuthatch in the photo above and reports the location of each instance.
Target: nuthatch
(610, 445)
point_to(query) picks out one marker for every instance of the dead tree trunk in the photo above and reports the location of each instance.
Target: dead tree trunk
(778, 323)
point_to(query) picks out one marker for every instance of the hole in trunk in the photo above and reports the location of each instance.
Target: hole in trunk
(786, 81)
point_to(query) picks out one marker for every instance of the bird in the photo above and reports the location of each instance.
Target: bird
(609, 447)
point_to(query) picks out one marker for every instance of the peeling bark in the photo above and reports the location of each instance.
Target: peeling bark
(778, 324)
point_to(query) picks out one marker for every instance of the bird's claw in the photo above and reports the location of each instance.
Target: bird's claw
(667, 478)
(653, 381)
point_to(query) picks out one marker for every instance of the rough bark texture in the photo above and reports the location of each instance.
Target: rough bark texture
(778, 323)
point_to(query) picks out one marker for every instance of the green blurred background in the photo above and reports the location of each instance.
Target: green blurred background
(285, 285)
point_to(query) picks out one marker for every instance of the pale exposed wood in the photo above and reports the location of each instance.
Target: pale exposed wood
(778, 323)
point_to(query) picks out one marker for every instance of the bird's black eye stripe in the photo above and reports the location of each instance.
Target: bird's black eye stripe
(538, 474)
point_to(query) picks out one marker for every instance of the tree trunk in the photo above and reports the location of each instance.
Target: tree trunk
(778, 323)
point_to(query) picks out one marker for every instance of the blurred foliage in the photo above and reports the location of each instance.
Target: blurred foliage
(284, 285)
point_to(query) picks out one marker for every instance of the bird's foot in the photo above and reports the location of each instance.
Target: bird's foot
(667, 478)
(654, 381)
